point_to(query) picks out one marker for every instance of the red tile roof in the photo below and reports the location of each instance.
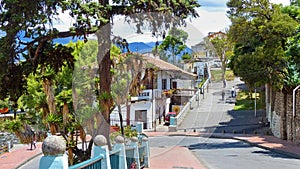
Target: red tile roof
(163, 65)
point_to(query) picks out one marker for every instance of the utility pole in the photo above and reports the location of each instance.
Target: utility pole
(255, 115)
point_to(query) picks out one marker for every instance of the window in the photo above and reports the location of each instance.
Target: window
(174, 85)
(164, 84)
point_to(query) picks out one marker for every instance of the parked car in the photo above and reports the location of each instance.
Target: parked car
(168, 117)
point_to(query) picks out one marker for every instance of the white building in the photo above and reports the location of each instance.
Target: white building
(152, 103)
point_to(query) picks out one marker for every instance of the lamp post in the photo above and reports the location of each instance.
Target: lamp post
(294, 100)
(255, 103)
(294, 109)
(152, 99)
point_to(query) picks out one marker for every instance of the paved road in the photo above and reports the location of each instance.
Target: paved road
(215, 115)
(226, 153)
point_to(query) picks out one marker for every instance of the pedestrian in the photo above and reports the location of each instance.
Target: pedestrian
(224, 83)
(33, 141)
(223, 94)
(232, 92)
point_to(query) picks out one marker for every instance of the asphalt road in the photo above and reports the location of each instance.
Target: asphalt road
(227, 153)
(214, 115)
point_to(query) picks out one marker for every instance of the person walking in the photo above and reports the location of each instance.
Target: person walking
(224, 83)
(33, 141)
(223, 95)
(233, 92)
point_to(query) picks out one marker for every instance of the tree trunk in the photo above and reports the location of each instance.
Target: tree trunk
(223, 60)
(104, 63)
(65, 113)
(47, 86)
(53, 129)
(127, 113)
(121, 120)
(70, 153)
(174, 57)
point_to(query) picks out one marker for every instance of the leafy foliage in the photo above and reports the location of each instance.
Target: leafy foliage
(223, 49)
(260, 31)
(174, 43)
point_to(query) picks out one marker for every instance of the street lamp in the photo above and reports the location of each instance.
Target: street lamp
(152, 99)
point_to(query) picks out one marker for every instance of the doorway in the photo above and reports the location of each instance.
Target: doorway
(141, 116)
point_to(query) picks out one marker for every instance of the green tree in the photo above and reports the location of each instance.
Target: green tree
(174, 43)
(292, 78)
(260, 31)
(223, 49)
(186, 56)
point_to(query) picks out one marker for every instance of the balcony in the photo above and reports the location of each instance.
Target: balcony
(147, 95)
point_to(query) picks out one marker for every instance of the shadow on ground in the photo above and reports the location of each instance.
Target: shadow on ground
(243, 122)
(234, 145)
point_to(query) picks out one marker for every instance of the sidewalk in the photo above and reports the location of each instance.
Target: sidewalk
(173, 157)
(19, 155)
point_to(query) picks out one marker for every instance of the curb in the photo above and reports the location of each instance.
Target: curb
(29, 159)
(286, 153)
(282, 152)
(233, 137)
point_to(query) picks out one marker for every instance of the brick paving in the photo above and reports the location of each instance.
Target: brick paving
(173, 157)
(19, 155)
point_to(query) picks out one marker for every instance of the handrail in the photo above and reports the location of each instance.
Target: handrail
(185, 109)
(87, 162)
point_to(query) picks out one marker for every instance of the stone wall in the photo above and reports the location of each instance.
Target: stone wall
(283, 123)
(275, 124)
(277, 120)
(289, 117)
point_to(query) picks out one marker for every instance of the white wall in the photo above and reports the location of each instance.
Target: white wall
(163, 75)
(185, 84)
(142, 105)
(147, 106)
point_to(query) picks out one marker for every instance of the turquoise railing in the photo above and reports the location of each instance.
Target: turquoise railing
(93, 163)
(114, 159)
(142, 154)
(129, 156)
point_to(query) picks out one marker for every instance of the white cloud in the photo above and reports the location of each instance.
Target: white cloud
(64, 22)
(212, 19)
(283, 2)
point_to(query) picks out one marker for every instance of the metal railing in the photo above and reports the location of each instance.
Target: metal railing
(129, 156)
(89, 164)
(191, 103)
(114, 159)
(142, 155)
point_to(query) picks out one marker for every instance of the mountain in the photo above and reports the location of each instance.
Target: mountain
(140, 47)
